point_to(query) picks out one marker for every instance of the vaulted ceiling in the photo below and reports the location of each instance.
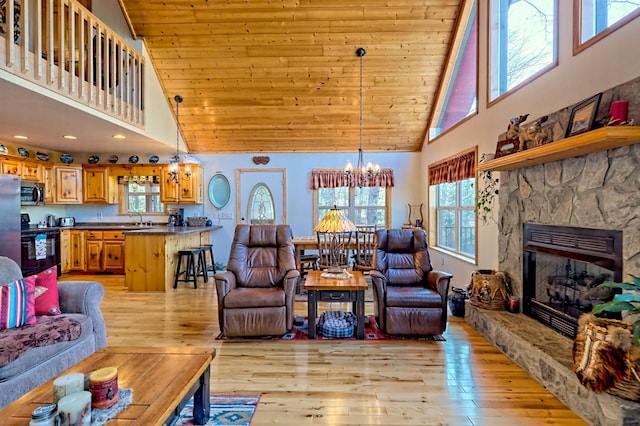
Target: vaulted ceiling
(283, 75)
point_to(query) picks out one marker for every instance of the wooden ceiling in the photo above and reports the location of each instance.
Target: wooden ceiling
(283, 75)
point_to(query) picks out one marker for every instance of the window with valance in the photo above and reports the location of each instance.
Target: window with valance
(335, 178)
(366, 204)
(452, 193)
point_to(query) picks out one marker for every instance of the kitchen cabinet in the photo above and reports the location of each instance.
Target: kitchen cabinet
(189, 189)
(99, 187)
(104, 251)
(94, 246)
(65, 250)
(77, 250)
(27, 170)
(48, 180)
(113, 251)
(68, 184)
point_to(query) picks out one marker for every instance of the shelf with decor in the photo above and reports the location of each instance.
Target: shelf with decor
(585, 143)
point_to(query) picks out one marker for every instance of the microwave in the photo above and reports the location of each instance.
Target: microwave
(31, 193)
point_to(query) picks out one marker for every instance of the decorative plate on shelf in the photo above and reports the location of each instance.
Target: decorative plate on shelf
(113, 159)
(133, 159)
(23, 152)
(93, 159)
(42, 156)
(66, 158)
(154, 159)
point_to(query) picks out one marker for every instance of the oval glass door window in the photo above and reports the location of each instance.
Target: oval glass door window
(261, 206)
(219, 191)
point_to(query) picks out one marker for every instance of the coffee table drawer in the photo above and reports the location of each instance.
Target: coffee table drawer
(337, 296)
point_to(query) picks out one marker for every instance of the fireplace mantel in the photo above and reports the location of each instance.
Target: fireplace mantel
(586, 143)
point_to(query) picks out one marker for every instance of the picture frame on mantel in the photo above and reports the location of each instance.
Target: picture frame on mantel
(583, 116)
(507, 146)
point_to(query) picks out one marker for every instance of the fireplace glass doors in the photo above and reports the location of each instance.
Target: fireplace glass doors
(562, 272)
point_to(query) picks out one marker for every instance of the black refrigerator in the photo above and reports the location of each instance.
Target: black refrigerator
(10, 217)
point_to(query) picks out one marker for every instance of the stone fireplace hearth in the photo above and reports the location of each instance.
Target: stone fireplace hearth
(600, 191)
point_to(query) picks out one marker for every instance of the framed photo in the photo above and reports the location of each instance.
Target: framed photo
(507, 146)
(583, 115)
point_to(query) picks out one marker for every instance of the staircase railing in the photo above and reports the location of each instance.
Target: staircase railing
(60, 45)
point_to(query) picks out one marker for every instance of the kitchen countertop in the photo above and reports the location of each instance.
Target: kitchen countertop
(169, 230)
(128, 228)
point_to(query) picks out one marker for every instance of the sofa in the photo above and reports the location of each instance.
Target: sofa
(79, 304)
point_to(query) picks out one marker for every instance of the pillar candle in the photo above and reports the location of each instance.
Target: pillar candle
(75, 409)
(103, 384)
(619, 111)
(66, 385)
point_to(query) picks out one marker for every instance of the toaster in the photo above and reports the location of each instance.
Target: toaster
(66, 221)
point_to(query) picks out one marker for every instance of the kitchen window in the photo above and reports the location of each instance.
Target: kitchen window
(140, 194)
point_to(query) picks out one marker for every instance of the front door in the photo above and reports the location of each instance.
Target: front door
(261, 196)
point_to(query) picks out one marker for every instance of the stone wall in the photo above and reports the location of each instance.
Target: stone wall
(600, 190)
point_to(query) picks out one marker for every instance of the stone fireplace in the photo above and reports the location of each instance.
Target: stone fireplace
(599, 191)
(562, 272)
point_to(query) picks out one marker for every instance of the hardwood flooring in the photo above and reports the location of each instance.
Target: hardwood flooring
(463, 381)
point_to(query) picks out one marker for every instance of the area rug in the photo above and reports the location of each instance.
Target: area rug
(226, 409)
(300, 332)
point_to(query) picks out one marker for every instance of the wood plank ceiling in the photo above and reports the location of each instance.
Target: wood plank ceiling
(283, 75)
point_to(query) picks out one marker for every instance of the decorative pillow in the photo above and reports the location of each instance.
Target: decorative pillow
(46, 292)
(17, 303)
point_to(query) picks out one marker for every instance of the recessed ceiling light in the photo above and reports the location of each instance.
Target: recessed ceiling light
(70, 137)
(21, 137)
(119, 136)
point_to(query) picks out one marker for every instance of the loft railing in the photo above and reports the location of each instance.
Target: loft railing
(60, 45)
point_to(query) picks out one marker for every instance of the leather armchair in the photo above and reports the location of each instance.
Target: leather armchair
(409, 297)
(257, 291)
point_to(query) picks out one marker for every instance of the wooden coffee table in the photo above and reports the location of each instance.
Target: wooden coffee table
(322, 289)
(162, 379)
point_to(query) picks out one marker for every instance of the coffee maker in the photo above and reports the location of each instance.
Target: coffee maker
(176, 217)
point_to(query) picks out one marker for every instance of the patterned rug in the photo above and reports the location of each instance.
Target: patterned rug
(300, 331)
(226, 409)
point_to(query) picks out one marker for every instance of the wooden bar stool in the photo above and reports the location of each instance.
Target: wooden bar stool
(208, 248)
(190, 271)
(201, 263)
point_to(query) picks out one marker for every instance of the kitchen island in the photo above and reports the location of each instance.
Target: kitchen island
(151, 254)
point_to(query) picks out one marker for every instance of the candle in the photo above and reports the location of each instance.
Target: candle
(103, 384)
(619, 112)
(66, 385)
(75, 409)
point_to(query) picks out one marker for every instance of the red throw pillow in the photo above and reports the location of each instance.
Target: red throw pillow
(46, 291)
(17, 303)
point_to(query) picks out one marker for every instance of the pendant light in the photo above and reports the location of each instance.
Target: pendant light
(174, 167)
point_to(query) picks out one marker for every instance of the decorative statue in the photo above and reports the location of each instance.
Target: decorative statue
(529, 132)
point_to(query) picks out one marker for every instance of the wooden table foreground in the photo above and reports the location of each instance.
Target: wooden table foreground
(162, 379)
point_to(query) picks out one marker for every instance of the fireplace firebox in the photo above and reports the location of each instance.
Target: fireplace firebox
(563, 269)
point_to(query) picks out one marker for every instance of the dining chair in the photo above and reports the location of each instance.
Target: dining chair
(365, 245)
(334, 249)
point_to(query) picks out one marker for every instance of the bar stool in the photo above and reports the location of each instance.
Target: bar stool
(201, 265)
(208, 248)
(191, 267)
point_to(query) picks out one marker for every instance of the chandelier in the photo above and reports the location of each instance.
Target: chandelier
(174, 166)
(362, 174)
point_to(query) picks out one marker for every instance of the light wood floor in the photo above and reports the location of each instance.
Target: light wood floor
(463, 381)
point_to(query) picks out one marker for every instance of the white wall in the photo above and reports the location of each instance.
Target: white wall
(611, 61)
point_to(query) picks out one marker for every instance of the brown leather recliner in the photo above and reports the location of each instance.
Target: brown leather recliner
(409, 297)
(256, 292)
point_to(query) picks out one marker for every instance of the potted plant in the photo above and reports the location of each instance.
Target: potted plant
(628, 301)
(486, 195)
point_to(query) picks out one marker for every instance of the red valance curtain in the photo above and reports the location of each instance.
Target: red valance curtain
(334, 178)
(454, 169)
